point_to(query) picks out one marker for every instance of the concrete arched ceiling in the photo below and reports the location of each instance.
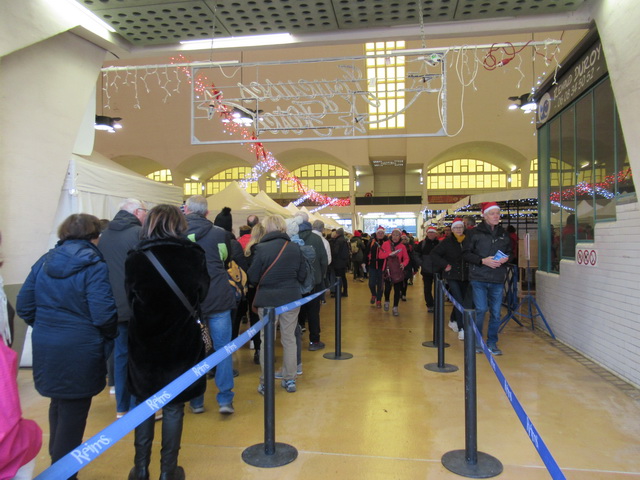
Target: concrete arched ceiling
(141, 165)
(495, 153)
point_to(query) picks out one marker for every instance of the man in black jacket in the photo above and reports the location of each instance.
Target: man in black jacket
(220, 300)
(122, 234)
(487, 270)
(422, 252)
(311, 311)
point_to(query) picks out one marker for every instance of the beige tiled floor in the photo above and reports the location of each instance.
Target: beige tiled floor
(382, 415)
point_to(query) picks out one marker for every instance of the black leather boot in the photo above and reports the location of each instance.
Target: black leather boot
(139, 473)
(176, 474)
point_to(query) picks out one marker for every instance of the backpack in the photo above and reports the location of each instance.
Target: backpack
(309, 256)
(355, 248)
(237, 279)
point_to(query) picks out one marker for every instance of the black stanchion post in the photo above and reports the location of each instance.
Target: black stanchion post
(469, 462)
(269, 454)
(439, 320)
(338, 354)
(438, 309)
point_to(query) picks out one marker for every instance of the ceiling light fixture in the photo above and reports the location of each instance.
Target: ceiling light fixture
(524, 102)
(235, 42)
(110, 124)
(82, 15)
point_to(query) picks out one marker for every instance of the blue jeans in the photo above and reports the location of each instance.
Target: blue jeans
(124, 400)
(375, 283)
(488, 296)
(220, 327)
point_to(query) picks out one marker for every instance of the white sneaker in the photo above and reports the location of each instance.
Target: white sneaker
(461, 335)
(453, 326)
(112, 390)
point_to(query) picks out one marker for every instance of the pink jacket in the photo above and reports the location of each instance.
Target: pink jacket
(20, 439)
(387, 249)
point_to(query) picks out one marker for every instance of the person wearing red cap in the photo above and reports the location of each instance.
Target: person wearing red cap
(447, 256)
(423, 258)
(488, 270)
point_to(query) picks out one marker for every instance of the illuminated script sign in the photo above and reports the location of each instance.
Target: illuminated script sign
(350, 101)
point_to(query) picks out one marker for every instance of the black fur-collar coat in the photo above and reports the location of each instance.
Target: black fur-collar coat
(164, 338)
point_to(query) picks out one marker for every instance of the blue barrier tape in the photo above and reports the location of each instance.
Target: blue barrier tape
(533, 434)
(81, 456)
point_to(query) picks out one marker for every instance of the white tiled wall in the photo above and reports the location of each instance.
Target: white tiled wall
(596, 310)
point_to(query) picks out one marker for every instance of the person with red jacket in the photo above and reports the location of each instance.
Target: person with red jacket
(396, 258)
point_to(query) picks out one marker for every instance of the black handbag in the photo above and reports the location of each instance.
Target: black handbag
(204, 329)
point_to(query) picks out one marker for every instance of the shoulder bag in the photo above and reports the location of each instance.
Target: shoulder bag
(204, 329)
(253, 308)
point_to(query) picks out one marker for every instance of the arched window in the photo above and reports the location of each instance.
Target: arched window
(470, 174)
(221, 180)
(321, 177)
(162, 176)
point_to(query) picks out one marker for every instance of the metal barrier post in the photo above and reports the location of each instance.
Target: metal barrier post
(338, 354)
(437, 301)
(439, 321)
(269, 454)
(469, 462)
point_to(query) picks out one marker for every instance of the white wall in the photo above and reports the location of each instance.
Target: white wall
(595, 309)
(45, 90)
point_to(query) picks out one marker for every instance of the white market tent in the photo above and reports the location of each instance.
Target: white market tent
(100, 188)
(241, 203)
(271, 205)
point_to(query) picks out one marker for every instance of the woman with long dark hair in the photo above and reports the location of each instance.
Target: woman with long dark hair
(164, 338)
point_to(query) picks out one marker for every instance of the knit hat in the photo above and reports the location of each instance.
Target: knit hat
(357, 233)
(224, 219)
(486, 206)
(432, 229)
(456, 222)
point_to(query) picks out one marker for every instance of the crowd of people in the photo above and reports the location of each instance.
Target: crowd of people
(134, 288)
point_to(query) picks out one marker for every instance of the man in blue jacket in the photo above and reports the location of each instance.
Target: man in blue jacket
(220, 300)
(122, 234)
(487, 270)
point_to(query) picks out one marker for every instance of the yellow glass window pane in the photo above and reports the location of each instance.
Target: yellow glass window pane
(400, 44)
(400, 121)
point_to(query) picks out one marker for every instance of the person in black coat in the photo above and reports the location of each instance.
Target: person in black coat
(422, 258)
(68, 301)
(121, 235)
(447, 256)
(488, 270)
(278, 270)
(340, 259)
(164, 337)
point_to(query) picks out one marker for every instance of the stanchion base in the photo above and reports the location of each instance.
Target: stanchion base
(431, 344)
(342, 356)
(447, 368)
(487, 466)
(256, 456)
